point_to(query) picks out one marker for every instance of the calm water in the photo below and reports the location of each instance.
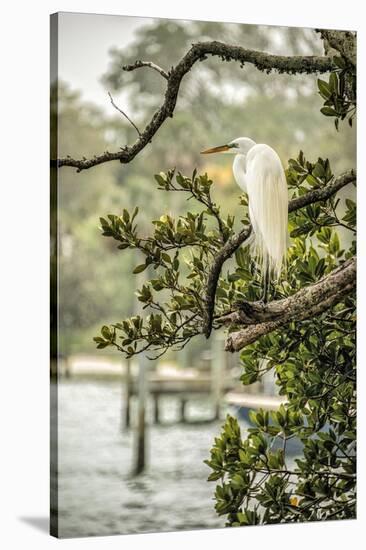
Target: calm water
(97, 493)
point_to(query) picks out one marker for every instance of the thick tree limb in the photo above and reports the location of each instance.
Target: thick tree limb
(306, 303)
(199, 52)
(237, 240)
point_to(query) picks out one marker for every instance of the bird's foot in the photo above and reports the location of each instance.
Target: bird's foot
(244, 306)
(264, 299)
(251, 310)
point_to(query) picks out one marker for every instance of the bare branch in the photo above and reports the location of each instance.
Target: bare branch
(123, 113)
(304, 304)
(199, 52)
(150, 64)
(237, 240)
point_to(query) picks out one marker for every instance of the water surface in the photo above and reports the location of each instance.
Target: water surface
(97, 493)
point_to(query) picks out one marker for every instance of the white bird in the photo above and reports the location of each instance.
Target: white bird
(258, 171)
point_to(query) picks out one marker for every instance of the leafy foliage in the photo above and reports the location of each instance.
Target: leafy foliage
(314, 360)
(256, 483)
(315, 369)
(179, 252)
(339, 92)
(314, 363)
(180, 276)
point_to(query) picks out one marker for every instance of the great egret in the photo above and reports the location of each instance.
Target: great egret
(258, 171)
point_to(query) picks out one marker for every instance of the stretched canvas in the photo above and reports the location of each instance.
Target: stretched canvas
(203, 261)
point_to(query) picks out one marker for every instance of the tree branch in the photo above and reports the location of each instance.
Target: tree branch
(340, 42)
(237, 240)
(199, 52)
(323, 193)
(304, 304)
(123, 113)
(150, 64)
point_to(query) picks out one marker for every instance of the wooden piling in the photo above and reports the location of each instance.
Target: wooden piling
(142, 395)
(183, 404)
(127, 392)
(156, 409)
(140, 446)
(217, 371)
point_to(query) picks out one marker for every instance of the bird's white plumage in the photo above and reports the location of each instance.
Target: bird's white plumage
(259, 173)
(268, 207)
(239, 169)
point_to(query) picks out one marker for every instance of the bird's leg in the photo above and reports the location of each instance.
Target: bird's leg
(265, 286)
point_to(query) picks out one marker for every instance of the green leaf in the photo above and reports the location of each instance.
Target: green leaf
(140, 268)
(240, 257)
(103, 345)
(318, 170)
(125, 216)
(302, 230)
(333, 83)
(135, 212)
(334, 244)
(157, 284)
(324, 89)
(328, 111)
(214, 476)
(324, 235)
(166, 257)
(106, 332)
(161, 179)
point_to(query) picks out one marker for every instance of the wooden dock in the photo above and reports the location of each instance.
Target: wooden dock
(243, 402)
(215, 379)
(254, 401)
(185, 384)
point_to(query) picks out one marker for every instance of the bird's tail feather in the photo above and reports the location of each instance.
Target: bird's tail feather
(269, 215)
(264, 261)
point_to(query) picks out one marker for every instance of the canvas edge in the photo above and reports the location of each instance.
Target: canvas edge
(54, 524)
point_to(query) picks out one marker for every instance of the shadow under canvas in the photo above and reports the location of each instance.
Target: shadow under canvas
(41, 523)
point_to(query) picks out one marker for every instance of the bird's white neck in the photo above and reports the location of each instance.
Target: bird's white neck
(239, 169)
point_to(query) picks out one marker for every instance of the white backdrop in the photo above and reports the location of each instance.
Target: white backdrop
(24, 199)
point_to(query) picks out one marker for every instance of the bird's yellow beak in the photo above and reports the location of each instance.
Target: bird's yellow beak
(219, 149)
